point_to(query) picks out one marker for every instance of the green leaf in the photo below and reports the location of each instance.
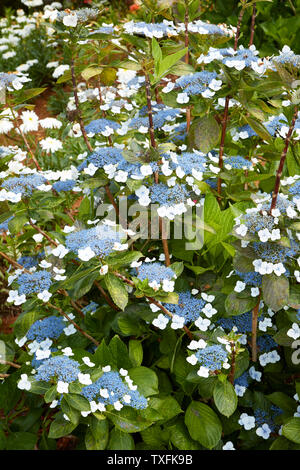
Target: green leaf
(50, 395)
(38, 388)
(21, 441)
(156, 54)
(24, 322)
(197, 269)
(225, 398)
(97, 435)
(275, 291)
(123, 258)
(83, 285)
(128, 420)
(16, 224)
(108, 76)
(2, 440)
(60, 427)
(283, 401)
(117, 290)
(181, 68)
(69, 411)
(77, 401)
(103, 355)
(130, 65)
(180, 437)
(167, 407)
(120, 441)
(291, 430)
(204, 133)
(65, 77)
(119, 353)
(145, 379)
(170, 60)
(203, 424)
(135, 352)
(235, 305)
(90, 72)
(258, 128)
(26, 95)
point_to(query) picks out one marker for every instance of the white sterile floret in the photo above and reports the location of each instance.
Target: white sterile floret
(169, 87)
(248, 422)
(182, 98)
(90, 169)
(209, 310)
(168, 286)
(240, 390)
(127, 398)
(241, 230)
(60, 251)
(154, 308)
(240, 286)
(24, 383)
(16, 298)
(143, 196)
(104, 270)
(203, 372)
(62, 387)
(177, 322)
(192, 359)
(118, 405)
(228, 446)
(38, 237)
(294, 332)
(20, 342)
(269, 358)
(84, 379)
(85, 254)
(87, 361)
(70, 20)
(264, 431)
(278, 269)
(67, 351)
(255, 374)
(41, 354)
(264, 235)
(264, 324)
(160, 322)
(70, 330)
(254, 291)
(44, 264)
(68, 229)
(44, 295)
(201, 344)
(202, 323)
(207, 297)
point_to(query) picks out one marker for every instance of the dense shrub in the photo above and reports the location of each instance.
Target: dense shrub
(150, 228)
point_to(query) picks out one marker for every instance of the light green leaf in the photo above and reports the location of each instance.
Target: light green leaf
(291, 430)
(225, 398)
(203, 424)
(117, 290)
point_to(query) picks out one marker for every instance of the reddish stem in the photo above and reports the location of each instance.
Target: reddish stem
(255, 313)
(222, 144)
(233, 357)
(252, 24)
(79, 116)
(282, 160)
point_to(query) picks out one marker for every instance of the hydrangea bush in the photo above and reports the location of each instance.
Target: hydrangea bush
(129, 336)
